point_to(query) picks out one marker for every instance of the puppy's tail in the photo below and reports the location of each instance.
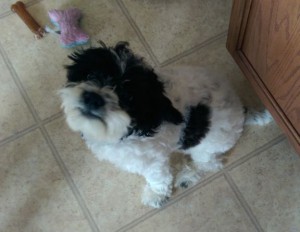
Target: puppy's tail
(257, 117)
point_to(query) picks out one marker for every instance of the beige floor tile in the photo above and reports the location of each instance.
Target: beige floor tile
(216, 58)
(113, 196)
(14, 113)
(210, 208)
(6, 4)
(34, 195)
(270, 184)
(171, 27)
(39, 63)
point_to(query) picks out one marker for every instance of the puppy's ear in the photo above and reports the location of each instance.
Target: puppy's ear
(123, 51)
(127, 57)
(122, 47)
(93, 63)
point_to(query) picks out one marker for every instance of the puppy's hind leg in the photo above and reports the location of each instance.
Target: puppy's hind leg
(159, 185)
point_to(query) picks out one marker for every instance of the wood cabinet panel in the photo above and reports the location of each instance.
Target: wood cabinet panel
(286, 89)
(272, 45)
(264, 39)
(272, 26)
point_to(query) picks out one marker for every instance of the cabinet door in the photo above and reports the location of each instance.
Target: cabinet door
(264, 39)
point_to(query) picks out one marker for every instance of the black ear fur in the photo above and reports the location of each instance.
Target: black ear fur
(99, 62)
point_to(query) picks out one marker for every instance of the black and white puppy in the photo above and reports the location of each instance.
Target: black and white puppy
(135, 117)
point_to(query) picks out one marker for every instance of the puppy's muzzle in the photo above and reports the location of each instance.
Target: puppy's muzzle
(93, 103)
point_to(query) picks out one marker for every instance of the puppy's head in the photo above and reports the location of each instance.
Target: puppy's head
(89, 100)
(111, 93)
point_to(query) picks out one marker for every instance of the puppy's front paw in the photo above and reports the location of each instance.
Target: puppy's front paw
(187, 177)
(153, 199)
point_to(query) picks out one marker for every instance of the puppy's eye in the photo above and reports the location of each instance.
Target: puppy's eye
(91, 76)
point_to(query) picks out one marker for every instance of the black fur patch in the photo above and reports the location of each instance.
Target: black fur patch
(142, 96)
(197, 126)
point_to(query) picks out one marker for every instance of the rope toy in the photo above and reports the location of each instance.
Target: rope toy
(67, 21)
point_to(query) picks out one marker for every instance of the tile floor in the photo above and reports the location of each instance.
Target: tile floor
(49, 181)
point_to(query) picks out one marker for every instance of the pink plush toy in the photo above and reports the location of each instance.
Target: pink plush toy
(67, 21)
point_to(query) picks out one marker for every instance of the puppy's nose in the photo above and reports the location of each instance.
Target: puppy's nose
(92, 101)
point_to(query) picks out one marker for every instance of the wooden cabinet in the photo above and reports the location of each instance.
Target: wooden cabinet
(264, 40)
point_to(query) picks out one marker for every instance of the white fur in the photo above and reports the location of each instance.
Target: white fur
(149, 156)
(227, 117)
(258, 118)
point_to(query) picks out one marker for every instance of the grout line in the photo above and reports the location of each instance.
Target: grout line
(204, 182)
(256, 152)
(9, 12)
(242, 201)
(29, 129)
(70, 181)
(194, 49)
(148, 48)
(235, 188)
(5, 14)
(33, 2)
(39, 124)
(177, 198)
(137, 31)
(19, 84)
(52, 118)
(18, 135)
